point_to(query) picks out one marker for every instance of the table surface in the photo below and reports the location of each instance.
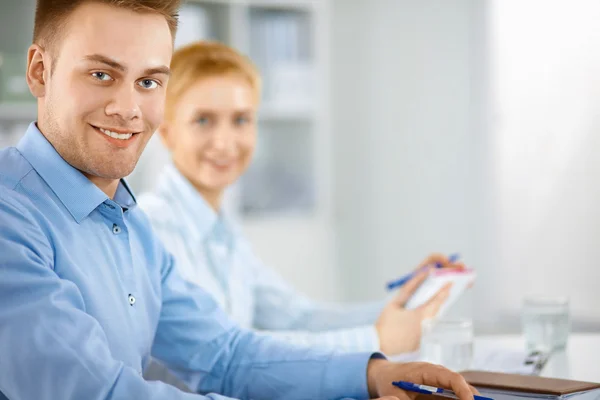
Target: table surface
(579, 361)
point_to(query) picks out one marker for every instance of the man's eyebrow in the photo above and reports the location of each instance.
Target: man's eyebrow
(163, 69)
(106, 60)
(158, 70)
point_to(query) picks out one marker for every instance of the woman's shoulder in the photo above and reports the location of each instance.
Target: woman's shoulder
(242, 242)
(156, 208)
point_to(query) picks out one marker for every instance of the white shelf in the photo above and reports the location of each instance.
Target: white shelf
(216, 2)
(306, 5)
(297, 5)
(18, 111)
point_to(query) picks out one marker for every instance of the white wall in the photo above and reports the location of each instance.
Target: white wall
(546, 91)
(470, 126)
(402, 107)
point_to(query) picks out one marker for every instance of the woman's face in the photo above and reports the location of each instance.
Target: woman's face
(212, 134)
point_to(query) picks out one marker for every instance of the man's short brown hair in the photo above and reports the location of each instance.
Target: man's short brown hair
(51, 15)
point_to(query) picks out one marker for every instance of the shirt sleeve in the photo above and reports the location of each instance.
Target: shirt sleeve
(50, 347)
(210, 353)
(349, 340)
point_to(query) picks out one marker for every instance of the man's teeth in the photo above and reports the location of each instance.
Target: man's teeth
(122, 136)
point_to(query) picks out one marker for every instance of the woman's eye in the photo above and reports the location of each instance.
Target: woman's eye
(242, 121)
(203, 121)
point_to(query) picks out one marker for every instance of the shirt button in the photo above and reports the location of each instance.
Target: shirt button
(116, 229)
(131, 299)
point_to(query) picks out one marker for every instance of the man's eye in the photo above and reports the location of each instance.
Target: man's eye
(102, 76)
(148, 84)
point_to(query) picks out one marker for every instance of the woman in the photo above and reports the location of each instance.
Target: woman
(210, 131)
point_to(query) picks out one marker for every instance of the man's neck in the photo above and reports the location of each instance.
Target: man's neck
(108, 186)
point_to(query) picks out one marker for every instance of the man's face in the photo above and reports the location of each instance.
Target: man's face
(104, 97)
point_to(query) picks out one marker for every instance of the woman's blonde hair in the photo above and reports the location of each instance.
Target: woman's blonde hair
(206, 59)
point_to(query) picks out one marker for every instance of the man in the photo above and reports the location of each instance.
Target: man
(87, 293)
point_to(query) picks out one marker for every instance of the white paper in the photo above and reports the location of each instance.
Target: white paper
(508, 361)
(461, 280)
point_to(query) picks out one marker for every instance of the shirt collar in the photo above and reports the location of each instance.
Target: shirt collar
(196, 214)
(124, 195)
(77, 193)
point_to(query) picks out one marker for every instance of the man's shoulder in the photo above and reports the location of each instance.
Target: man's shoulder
(20, 181)
(13, 168)
(23, 193)
(18, 211)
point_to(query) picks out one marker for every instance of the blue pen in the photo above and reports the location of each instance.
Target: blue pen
(424, 389)
(395, 284)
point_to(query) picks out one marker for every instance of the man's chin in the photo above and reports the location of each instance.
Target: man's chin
(112, 173)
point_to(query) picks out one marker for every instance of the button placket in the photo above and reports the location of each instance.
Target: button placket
(116, 216)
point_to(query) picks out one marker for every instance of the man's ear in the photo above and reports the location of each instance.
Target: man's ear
(38, 68)
(165, 132)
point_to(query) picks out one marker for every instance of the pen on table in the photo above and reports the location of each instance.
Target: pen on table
(424, 389)
(397, 283)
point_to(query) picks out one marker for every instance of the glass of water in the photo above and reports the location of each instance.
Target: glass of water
(448, 343)
(546, 323)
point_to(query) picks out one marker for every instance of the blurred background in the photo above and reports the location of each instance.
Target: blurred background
(393, 128)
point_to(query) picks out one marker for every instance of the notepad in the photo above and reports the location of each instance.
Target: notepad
(437, 278)
(513, 387)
